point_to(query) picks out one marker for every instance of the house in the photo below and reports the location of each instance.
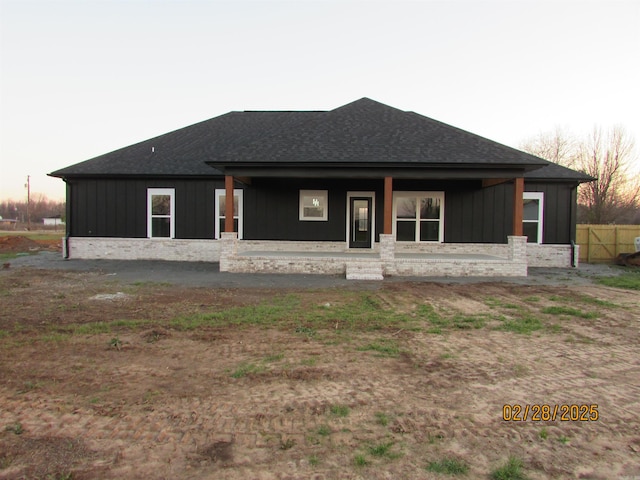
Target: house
(365, 189)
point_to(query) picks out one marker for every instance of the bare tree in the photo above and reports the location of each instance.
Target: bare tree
(557, 146)
(614, 194)
(614, 197)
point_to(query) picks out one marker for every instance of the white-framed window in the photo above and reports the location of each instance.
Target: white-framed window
(161, 207)
(532, 215)
(220, 206)
(418, 216)
(314, 205)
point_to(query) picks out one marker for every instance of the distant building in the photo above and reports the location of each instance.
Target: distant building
(52, 221)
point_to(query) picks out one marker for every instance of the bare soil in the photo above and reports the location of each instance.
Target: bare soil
(20, 243)
(160, 400)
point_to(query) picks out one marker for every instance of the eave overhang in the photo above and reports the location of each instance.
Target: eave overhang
(379, 170)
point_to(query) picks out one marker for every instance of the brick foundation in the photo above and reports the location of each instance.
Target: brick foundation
(558, 256)
(510, 259)
(144, 249)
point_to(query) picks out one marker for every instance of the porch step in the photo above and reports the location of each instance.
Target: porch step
(364, 270)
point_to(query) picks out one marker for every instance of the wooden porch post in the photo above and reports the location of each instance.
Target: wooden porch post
(228, 207)
(388, 205)
(518, 190)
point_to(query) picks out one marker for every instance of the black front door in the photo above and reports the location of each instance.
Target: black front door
(360, 225)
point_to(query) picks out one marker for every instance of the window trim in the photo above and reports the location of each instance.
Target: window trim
(313, 193)
(418, 194)
(221, 192)
(151, 192)
(540, 197)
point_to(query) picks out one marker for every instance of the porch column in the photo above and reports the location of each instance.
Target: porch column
(388, 205)
(228, 211)
(518, 190)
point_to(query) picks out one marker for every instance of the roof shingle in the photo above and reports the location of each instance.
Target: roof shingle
(361, 133)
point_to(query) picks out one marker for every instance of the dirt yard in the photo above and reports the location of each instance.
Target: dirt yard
(103, 379)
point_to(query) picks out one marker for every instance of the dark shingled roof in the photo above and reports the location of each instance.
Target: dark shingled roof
(362, 133)
(553, 171)
(368, 132)
(181, 152)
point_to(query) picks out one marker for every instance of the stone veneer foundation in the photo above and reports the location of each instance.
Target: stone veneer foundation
(387, 256)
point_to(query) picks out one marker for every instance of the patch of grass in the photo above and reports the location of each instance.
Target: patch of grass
(532, 299)
(563, 440)
(448, 466)
(245, 369)
(309, 362)
(428, 313)
(360, 460)
(543, 434)
(276, 357)
(309, 332)
(597, 301)
(629, 281)
(339, 410)
(524, 325)
(277, 310)
(54, 337)
(512, 470)
(116, 343)
(464, 322)
(574, 312)
(29, 385)
(287, 444)
(314, 460)
(382, 419)
(380, 450)
(439, 322)
(150, 395)
(383, 347)
(15, 428)
(324, 430)
(383, 450)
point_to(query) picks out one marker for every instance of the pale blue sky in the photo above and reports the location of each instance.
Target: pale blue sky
(82, 78)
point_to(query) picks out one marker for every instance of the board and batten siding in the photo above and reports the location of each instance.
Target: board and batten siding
(118, 208)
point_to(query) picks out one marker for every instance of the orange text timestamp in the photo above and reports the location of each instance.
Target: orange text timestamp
(542, 413)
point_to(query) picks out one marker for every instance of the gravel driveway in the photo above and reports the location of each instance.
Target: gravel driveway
(204, 274)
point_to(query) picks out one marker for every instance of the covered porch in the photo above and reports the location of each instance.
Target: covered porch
(383, 258)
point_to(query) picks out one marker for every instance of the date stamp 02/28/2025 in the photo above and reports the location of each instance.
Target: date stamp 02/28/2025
(545, 412)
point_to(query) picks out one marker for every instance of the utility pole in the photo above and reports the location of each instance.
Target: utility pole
(28, 185)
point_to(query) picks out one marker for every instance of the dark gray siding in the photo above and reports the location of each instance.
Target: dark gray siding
(118, 208)
(559, 210)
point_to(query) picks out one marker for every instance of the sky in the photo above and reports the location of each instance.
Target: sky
(79, 78)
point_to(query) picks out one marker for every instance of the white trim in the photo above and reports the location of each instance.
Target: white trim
(419, 194)
(540, 197)
(371, 195)
(321, 194)
(172, 214)
(221, 192)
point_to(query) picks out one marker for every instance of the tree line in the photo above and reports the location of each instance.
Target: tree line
(609, 157)
(39, 207)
